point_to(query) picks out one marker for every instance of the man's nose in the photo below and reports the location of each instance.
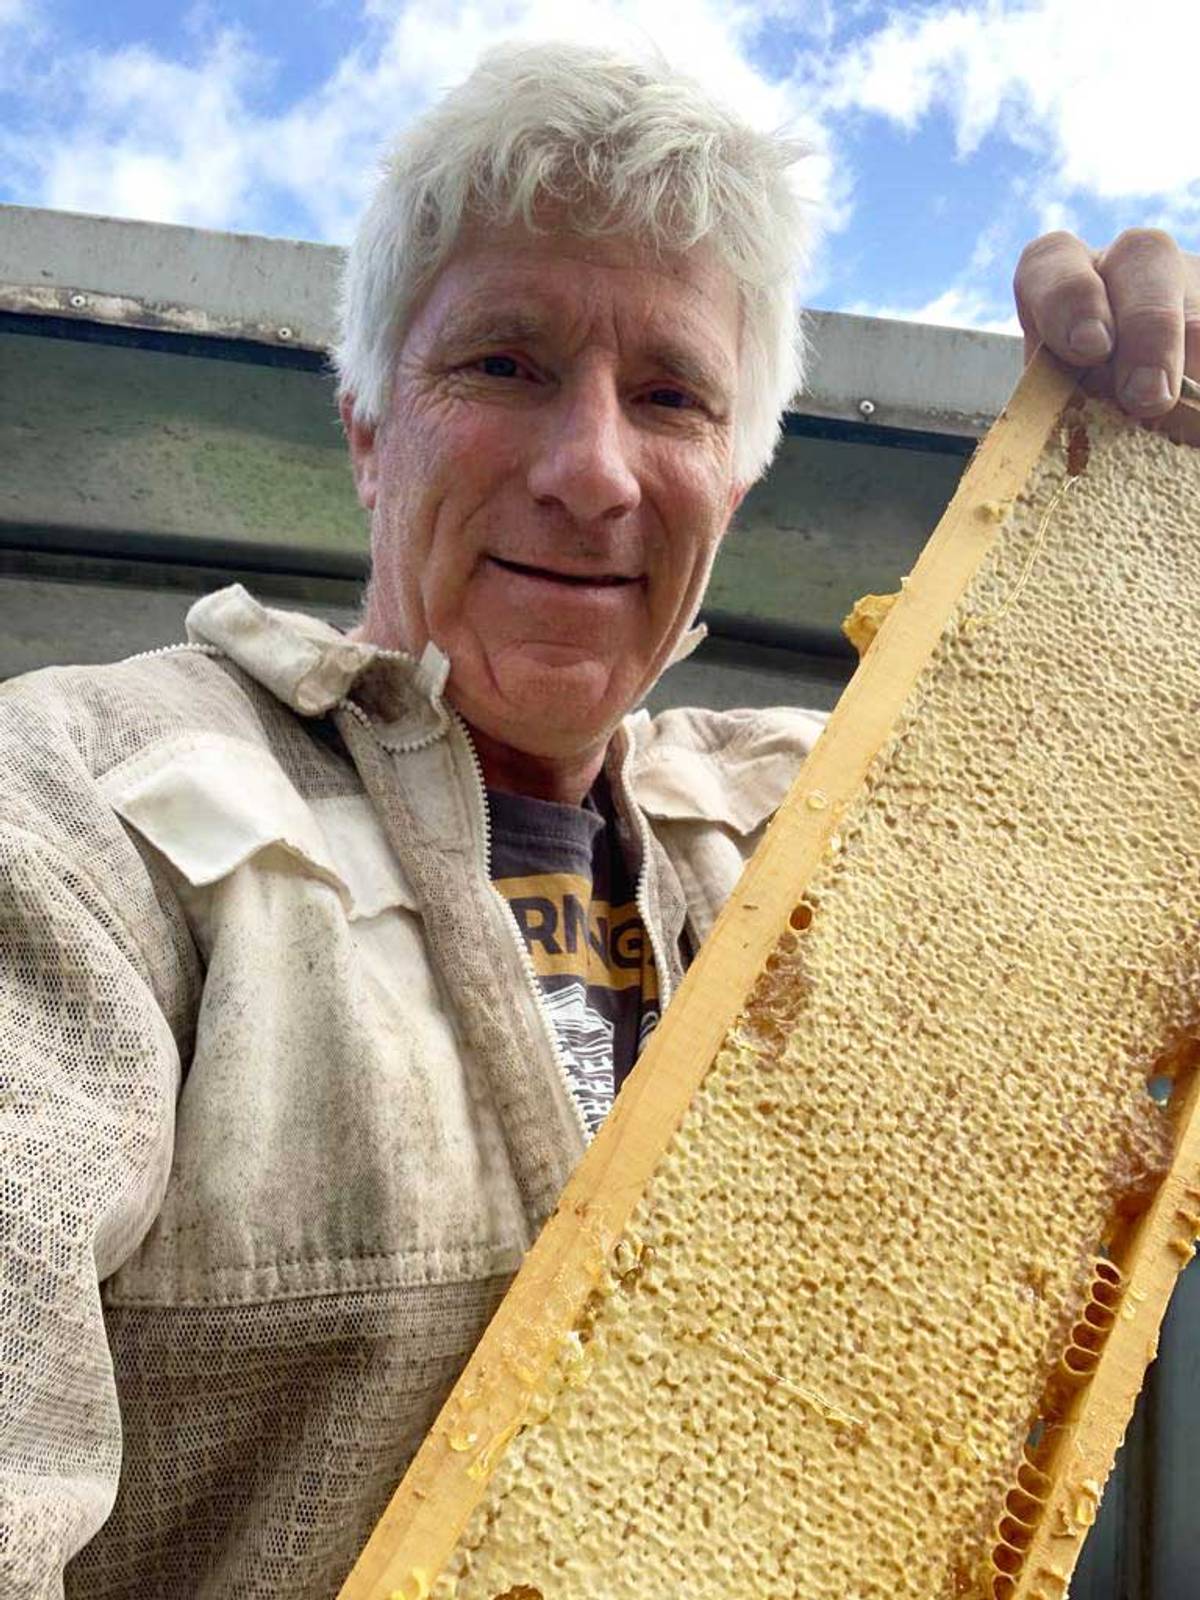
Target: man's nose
(581, 458)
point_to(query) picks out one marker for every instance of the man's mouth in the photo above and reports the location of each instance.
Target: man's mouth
(592, 580)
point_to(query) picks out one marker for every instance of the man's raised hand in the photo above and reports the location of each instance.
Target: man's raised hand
(1131, 312)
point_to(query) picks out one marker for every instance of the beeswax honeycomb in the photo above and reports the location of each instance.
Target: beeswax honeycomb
(829, 1357)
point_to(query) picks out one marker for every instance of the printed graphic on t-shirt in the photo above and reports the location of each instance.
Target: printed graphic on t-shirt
(585, 1037)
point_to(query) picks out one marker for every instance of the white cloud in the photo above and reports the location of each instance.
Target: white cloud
(1055, 216)
(158, 139)
(990, 246)
(142, 135)
(1101, 107)
(415, 51)
(958, 307)
(1101, 94)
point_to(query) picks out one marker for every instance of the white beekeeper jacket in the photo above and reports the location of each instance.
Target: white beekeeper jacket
(280, 1110)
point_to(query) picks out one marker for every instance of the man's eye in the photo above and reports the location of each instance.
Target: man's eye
(499, 366)
(674, 399)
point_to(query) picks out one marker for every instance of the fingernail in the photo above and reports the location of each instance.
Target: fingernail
(1146, 386)
(1090, 339)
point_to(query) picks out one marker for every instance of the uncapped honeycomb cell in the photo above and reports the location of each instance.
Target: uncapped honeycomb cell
(873, 1260)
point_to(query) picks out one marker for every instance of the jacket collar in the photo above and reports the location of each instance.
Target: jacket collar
(684, 765)
(312, 667)
(304, 662)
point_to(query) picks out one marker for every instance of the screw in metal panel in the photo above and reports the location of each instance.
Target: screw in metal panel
(866, 408)
(285, 333)
(78, 300)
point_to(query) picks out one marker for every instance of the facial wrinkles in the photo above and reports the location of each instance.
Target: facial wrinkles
(637, 542)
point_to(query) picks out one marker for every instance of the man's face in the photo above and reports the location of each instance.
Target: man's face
(553, 476)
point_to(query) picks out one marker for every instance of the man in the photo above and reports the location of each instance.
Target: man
(299, 1045)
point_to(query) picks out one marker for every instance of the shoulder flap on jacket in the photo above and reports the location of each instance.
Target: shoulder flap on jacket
(728, 767)
(209, 804)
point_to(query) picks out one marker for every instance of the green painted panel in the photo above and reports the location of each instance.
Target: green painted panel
(830, 521)
(101, 437)
(1174, 1533)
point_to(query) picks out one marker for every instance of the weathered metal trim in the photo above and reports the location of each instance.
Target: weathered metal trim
(175, 549)
(907, 375)
(124, 311)
(281, 293)
(212, 345)
(242, 285)
(123, 572)
(208, 346)
(795, 638)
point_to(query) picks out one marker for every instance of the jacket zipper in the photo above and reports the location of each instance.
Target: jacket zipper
(170, 649)
(639, 899)
(485, 833)
(485, 821)
(526, 960)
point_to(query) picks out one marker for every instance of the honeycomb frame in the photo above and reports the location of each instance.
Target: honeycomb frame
(536, 1344)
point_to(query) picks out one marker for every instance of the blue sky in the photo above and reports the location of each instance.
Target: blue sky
(944, 135)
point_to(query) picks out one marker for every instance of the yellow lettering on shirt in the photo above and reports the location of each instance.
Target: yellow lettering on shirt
(565, 933)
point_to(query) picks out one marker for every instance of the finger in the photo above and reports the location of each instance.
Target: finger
(1062, 300)
(1144, 275)
(1032, 343)
(1191, 317)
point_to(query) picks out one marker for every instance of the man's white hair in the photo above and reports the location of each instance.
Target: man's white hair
(626, 147)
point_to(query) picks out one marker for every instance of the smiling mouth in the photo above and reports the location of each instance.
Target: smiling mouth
(572, 580)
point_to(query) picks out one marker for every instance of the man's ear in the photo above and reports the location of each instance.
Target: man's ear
(736, 495)
(360, 438)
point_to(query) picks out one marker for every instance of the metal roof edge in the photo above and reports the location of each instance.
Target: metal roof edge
(162, 276)
(896, 374)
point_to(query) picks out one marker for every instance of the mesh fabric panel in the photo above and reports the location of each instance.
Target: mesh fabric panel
(262, 1441)
(99, 981)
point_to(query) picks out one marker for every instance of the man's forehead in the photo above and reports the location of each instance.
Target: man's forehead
(544, 290)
